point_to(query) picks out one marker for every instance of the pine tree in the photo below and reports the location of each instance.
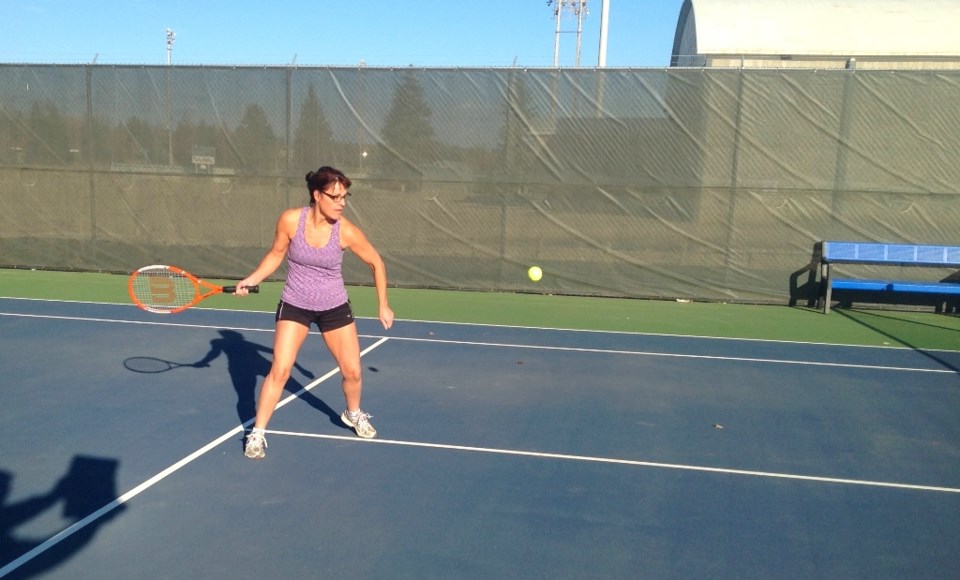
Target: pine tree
(407, 132)
(313, 139)
(255, 142)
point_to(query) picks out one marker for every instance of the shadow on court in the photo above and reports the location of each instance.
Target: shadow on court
(897, 330)
(88, 486)
(248, 363)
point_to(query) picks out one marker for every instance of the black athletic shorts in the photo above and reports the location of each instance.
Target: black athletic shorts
(325, 319)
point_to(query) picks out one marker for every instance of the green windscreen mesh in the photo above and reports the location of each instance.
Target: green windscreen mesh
(679, 183)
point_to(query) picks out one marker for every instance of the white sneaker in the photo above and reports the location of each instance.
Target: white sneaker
(256, 443)
(360, 422)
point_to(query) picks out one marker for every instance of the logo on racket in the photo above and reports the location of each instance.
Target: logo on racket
(162, 290)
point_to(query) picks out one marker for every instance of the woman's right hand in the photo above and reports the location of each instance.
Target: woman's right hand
(242, 286)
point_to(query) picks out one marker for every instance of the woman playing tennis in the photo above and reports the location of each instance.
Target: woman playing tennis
(313, 240)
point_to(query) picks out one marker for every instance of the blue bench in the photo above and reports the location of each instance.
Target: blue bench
(871, 253)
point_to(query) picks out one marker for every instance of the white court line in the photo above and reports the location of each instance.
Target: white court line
(79, 525)
(682, 355)
(524, 346)
(630, 462)
(134, 322)
(515, 326)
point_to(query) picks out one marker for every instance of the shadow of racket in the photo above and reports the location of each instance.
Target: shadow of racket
(152, 365)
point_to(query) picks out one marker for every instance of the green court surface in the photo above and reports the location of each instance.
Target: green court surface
(872, 327)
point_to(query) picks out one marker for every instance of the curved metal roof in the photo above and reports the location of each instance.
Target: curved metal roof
(821, 27)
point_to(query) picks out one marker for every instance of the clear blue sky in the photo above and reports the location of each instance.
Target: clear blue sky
(422, 33)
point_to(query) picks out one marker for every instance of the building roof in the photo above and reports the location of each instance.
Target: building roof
(820, 27)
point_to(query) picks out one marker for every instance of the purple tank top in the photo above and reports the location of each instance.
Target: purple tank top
(314, 279)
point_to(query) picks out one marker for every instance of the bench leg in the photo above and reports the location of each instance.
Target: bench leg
(828, 288)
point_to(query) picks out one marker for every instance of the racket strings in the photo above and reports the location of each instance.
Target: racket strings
(163, 290)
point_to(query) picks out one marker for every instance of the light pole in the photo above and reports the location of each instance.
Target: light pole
(171, 36)
(579, 9)
(604, 23)
(556, 35)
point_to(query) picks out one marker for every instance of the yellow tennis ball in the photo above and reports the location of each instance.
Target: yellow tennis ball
(535, 273)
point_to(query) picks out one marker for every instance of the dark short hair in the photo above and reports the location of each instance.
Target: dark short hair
(323, 178)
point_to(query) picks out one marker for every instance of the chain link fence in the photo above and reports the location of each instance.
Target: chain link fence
(656, 183)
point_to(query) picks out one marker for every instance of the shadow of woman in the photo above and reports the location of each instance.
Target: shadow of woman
(247, 363)
(88, 487)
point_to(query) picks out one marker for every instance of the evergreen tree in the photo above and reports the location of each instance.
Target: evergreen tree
(407, 132)
(313, 139)
(95, 141)
(49, 142)
(13, 138)
(517, 118)
(136, 142)
(255, 143)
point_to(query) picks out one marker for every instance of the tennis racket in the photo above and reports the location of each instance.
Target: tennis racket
(168, 289)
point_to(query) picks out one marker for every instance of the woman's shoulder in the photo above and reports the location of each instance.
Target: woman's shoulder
(290, 217)
(349, 233)
(346, 226)
(293, 213)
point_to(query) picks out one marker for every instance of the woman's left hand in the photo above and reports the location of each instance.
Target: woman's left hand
(386, 317)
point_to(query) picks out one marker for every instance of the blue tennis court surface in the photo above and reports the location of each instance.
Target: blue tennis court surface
(502, 452)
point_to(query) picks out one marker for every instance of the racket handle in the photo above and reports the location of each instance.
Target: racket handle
(232, 289)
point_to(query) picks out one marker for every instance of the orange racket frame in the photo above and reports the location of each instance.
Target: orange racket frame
(166, 289)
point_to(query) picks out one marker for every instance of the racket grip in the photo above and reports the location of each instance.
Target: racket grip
(251, 289)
